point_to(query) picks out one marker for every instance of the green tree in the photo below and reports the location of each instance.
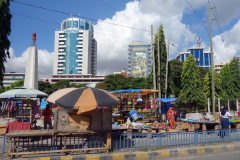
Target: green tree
(5, 30)
(174, 81)
(116, 82)
(227, 82)
(163, 59)
(138, 83)
(191, 85)
(74, 85)
(235, 73)
(100, 85)
(207, 86)
(61, 84)
(45, 87)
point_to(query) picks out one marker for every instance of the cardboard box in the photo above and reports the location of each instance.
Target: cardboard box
(3, 128)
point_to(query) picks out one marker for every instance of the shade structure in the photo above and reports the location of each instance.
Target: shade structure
(86, 99)
(22, 92)
(59, 93)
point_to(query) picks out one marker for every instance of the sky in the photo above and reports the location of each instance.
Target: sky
(134, 18)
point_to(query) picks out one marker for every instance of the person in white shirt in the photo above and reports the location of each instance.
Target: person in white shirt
(224, 118)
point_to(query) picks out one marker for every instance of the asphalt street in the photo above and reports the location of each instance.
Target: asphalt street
(221, 156)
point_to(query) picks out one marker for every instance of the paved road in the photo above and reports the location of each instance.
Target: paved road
(222, 156)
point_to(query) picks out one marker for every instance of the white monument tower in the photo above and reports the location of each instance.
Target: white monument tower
(31, 75)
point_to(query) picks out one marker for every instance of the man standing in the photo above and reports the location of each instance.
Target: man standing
(47, 113)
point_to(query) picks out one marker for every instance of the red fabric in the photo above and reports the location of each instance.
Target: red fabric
(170, 109)
(239, 114)
(18, 126)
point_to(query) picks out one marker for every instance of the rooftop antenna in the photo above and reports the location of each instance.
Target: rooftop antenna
(199, 41)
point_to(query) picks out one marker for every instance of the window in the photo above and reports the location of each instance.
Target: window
(69, 24)
(75, 24)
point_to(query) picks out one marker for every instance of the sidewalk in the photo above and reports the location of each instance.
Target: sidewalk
(148, 155)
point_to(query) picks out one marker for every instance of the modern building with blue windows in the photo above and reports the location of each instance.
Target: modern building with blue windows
(139, 59)
(75, 48)
(203, 59)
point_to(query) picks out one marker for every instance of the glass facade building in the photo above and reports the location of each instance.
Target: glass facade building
(139, 59)
(75, 49)
(203, 59)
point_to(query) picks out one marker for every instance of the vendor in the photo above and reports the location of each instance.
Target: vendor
(47, 113)
(224, 118)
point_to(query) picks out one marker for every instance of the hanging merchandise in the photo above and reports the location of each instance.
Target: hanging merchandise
(139, 98)
(153, 103)
(130, 102)
(43, 104)
(37, 112)
(134, 102)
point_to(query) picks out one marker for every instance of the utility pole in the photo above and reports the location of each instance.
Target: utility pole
(153, 55)
(159, 72)
(166, 80)
(213, 85)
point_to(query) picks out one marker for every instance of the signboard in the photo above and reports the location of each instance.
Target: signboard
(139, 64)
(134, 115)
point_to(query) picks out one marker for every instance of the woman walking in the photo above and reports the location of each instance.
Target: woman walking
(224, 119)
(171, 116)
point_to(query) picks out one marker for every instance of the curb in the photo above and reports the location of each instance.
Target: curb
(160, 154)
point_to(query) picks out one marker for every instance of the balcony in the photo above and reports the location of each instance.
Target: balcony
(60, 57)
(79, 53)
(62, 46)
(80, 38)
(62, 39)
(80, 49)
(60, 72)
(79, 45)
(61, 50)
(80, 42)
(60, 65)
(79, 72)
(61, 68)
(78, 67)
(78, 60)
(79, 64)
(61, 61)
(80, 57)
(61, 43)
(61, 36)
(62, 53)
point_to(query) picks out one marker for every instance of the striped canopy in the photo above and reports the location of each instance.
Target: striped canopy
(86, 99)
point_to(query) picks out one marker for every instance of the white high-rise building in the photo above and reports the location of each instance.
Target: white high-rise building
(75, 48)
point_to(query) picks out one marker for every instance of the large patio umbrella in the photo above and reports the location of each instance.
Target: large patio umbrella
(86, 99)
(59, 93)
(22, 92)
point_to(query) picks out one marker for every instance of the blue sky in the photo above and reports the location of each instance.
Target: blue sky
(181, 26)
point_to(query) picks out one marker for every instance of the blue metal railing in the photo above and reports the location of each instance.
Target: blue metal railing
(122, 141)
(56, 144)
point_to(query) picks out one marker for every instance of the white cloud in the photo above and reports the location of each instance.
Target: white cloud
(232, 40)
(112, 52)
(18, 64)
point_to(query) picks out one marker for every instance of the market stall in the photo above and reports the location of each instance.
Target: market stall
(204, 124)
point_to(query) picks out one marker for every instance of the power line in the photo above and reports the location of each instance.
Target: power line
(198, 16)
(60, 24)
(176, 46)
(218, 24)
(120, 12)
(203, 23)
(77, 16)
(173, 50)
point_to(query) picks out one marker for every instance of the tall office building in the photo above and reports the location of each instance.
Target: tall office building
(139, 59)
(202, 58)
(75, 48)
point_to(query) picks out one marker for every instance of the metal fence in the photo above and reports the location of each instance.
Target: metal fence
(4, 145)
(76, 144)
(168, 140)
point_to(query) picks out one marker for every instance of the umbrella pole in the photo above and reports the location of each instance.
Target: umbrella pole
(128, 104)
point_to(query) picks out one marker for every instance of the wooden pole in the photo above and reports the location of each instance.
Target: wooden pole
(166, 80)
(109, 141)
